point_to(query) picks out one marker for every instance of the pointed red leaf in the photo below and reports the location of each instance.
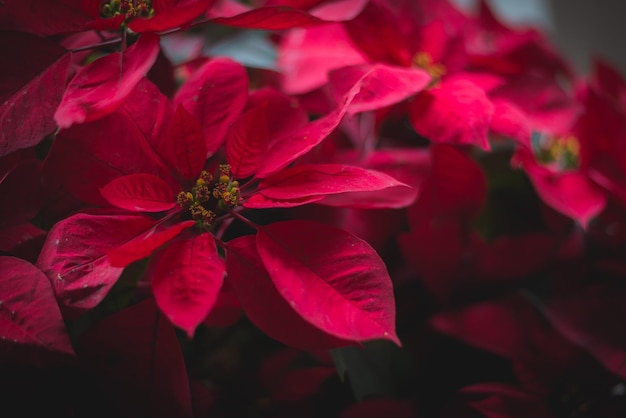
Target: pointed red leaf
(100, 87)
(265, 306)
(335, 280)
(186, 279)
(454, 112)
(378, 85)
(140, 193)
(32, 82)
(268, 18)
(215, 94)
(247, 142)
(144, 244)
(29, 314)
(182, 146)
(284, 150)
(178, 14)
(136, 357)
(331, 184)
(74, 255)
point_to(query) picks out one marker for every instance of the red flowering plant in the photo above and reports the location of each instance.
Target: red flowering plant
(359, 208)
(196, 199)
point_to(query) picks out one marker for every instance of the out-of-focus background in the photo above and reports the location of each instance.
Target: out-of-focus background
(580, 28)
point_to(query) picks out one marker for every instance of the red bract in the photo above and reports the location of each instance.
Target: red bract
(75, 255)
(556, 159)
(31, 322)
(186, 279)
(321, 288)
(169, 14)
(100, 87)
(33, 77)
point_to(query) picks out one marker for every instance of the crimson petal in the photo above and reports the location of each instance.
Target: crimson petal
(333, 279)
(100, 87)
(186, 278)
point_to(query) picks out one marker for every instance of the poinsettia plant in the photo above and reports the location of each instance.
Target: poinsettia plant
(349, 208)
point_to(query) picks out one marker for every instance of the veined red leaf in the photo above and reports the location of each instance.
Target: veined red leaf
(144, 244)
(29, 314)
(335, 184)
(180, 13)
(140, 193)
(100, 87)
(283, 151)
(333, 279)
(455, 112)
(33, 75)
(183, 147)
(186, 279)
(267, 18)
(136, 357)
(247, 142)
(378, 85)
(215, 94)
(265, 306)
(74, 255)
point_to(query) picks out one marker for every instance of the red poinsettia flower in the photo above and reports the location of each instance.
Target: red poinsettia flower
(398, 51)
(247, 168)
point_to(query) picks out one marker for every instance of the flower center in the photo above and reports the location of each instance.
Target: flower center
(129, 8)
(563, 151)
(425, 61)
(210, 196)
